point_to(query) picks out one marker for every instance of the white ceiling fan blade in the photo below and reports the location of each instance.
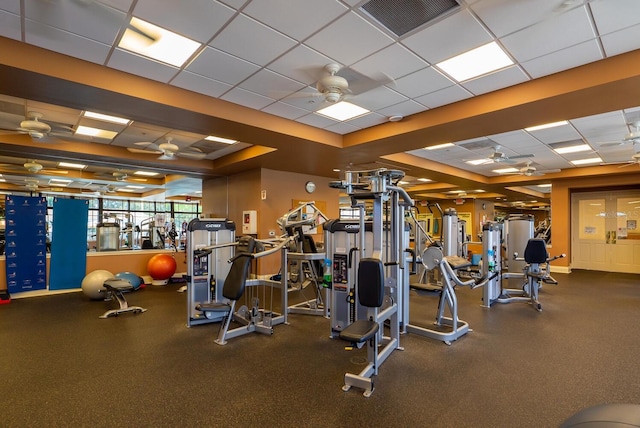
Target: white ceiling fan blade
(143, 151)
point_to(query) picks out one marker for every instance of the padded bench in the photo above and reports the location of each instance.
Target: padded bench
(114, 289)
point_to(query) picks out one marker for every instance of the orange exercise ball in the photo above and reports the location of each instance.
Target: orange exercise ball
(161, 268)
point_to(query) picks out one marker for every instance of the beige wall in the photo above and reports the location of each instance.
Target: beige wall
(114, 261)
(229, 197)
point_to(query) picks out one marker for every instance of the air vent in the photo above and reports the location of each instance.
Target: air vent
(403, 16)
(484, 143)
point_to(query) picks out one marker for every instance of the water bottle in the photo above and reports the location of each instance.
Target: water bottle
(326, 280)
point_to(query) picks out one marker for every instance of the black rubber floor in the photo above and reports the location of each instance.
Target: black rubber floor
(62, 366)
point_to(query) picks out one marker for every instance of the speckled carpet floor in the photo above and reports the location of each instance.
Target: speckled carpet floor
(62, 366)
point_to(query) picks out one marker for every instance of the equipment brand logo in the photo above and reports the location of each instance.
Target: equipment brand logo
(213, 225)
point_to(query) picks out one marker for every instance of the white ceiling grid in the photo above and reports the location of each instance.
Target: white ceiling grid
(259, 53)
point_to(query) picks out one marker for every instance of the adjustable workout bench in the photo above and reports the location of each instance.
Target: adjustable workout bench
(114, 289)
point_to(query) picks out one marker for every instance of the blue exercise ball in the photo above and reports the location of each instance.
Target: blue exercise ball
(133, 279)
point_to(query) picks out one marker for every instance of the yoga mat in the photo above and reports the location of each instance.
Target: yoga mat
(68, 262)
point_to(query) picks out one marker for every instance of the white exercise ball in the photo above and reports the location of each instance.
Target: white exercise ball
(93, 283)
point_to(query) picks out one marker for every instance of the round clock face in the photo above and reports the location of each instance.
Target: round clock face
(310, 186)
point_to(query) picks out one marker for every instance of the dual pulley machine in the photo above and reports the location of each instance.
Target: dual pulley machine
(369, 272)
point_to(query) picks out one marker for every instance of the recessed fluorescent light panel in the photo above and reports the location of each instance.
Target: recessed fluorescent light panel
(586, 161)
(478, 161)
(146, 173)
(476, 62)
(106, 118)
(572, 149)
(439, 146)
(505, 170)
(157, 43)
(71, 165)
(342, 111)
(547, 125)
(220, 139)
(424, 180)
(95, 132)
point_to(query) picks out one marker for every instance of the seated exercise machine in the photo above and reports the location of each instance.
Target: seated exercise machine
(236, 285)
(536, 270)
(114, 289)
(370, 295)
(369, 309)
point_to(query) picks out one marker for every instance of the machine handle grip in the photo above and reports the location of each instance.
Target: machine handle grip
(414, 266)
(351, 251)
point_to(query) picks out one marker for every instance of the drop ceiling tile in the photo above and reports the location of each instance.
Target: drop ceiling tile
(298, 21)
(302, 64)
(444, 96)
(404, 62)
(444, 39)
(285, 110)
(590, 126)
(422, 82)
(66, 43)
(621, 41)
(505, 17)
(405, 108)
(271, 84)
(94, 21)
(200, 84)
(221, 66)
(247, 98)
(563, 59)
(349, 39)
(316, 120)
(240, 36)
(342, 128)
(200, 21)
(497, 80)
(131, 63)
(236, 4)
(367, 120)
(566, 29)
(12, 6)
(377, 98)
(10, 26)
(611, 16)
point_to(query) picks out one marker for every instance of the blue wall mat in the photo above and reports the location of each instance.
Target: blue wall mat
(68, 263)
(26, 243)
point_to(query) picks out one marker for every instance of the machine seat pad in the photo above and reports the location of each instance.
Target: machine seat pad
(359, 331)
(213, 307)
(117, 285)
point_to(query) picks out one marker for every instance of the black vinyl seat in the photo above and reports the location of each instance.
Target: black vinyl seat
(233, 286)
(371, 295)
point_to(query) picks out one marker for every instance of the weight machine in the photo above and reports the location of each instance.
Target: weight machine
(207, 269)
(302, 262)
(374, 301)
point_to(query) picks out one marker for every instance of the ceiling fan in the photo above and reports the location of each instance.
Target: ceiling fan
(632, 136)
(500, 157)
(529, 170)
(168, 150)
(39, 130)
(334, 83)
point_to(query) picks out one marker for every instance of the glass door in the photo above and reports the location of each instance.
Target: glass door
(605, 232)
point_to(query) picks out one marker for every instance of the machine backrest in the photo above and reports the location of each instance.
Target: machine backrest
(370, 282)
(536, 251)
(235, 281)
(309, 246)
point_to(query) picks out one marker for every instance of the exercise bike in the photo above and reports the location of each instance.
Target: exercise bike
(537, 269)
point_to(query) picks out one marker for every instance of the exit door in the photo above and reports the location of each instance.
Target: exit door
(606, 231)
